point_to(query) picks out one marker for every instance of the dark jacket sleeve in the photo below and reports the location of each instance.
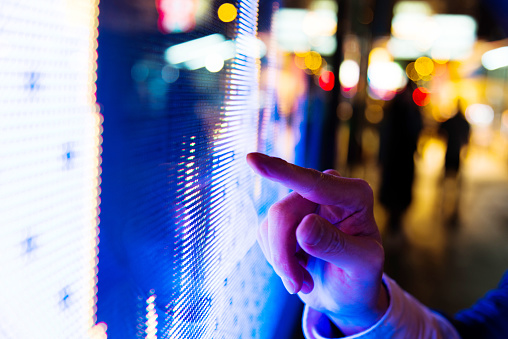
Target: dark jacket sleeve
(488, 317)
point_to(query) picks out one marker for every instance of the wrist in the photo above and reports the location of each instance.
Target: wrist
(362, 321)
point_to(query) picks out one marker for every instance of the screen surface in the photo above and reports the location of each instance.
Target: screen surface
(49, 169)
(184, 100)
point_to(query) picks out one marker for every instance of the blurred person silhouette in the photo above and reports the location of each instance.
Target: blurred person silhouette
(323, 241)
(399, 134)
(455, 131)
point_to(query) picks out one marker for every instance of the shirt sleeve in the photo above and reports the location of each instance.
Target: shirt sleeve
(487, 318)
(405, 317)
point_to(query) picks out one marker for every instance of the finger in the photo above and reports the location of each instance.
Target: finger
(308, 283)
(321, 188)
(283, 219)
(354, 254)
(262, 236)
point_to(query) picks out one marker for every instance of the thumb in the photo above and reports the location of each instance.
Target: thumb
(319, 238)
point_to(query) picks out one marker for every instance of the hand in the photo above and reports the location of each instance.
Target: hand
(323, 241)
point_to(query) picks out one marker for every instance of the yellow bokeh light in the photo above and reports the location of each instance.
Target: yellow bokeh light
(302, 54)
(374, 113)
(424, 66)
(344, 111)
(313, 60)
(380, 54)
(412, 73)
(427, 77)
(227, 12)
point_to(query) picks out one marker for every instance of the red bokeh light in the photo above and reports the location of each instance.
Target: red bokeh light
(421, 96)
(327, 80)
(349, 92)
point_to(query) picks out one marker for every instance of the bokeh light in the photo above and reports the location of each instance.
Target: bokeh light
(424, 66)
(170, 74)
(504, 120)
(495, 58)
(327, 80)
(313, 60)
(176, 16)
(214, 62)
(300, 61)
(320, 23)
(379, 54)
(479, 114)
(386, 76)
(227, 12)
(440, 56)
(421, 96)
(349, 73)
(374, 113)
(412, 73)
(344, 111)
(349, 92)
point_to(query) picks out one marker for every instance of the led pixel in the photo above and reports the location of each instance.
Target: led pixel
(49, 168)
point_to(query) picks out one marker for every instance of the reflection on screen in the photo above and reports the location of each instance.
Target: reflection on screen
(49, 169)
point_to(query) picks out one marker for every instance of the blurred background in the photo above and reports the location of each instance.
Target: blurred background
(128, 210)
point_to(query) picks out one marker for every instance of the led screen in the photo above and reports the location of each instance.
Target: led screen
(185, 98)
(49, 169)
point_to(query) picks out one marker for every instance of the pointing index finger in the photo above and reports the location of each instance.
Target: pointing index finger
(313, 185)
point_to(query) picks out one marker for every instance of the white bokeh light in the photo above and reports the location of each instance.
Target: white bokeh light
(214, 62)
(480, 114)
(349, 73)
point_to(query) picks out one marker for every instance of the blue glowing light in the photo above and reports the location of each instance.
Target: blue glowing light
(180, 207)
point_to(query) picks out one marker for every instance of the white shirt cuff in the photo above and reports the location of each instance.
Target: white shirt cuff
(405, 317)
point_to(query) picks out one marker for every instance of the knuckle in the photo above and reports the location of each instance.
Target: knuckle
(335, 243)
(317, 181)
(281, 208)
(366, 189)
(280, 265)
(275, 211)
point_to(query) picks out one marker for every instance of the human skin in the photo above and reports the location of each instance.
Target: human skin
(323, 241)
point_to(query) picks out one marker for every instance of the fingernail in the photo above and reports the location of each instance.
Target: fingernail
(315, 233)
(288, 284)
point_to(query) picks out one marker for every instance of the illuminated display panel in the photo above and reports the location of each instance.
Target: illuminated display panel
(49, 169)
(180, 207)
